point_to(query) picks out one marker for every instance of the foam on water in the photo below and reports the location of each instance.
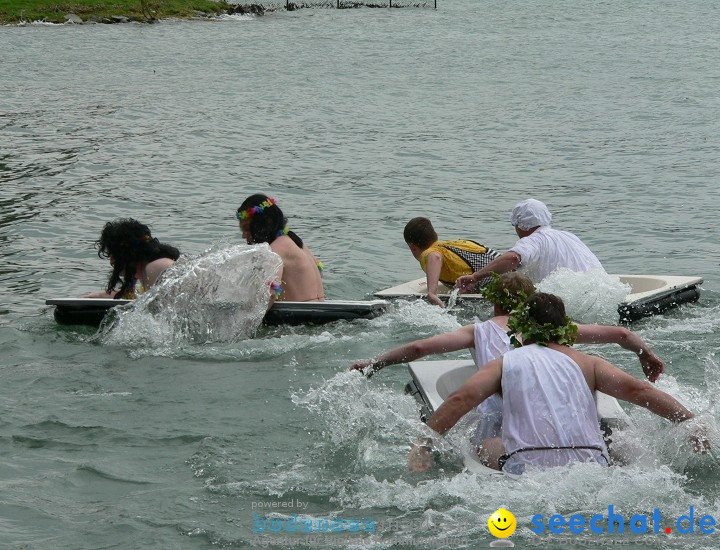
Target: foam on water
(419, 315)
(369, 427)
(590, 297)
(235, 17)
(220, 295)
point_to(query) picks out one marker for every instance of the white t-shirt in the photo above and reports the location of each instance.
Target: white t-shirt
(548, 249)
(547, 403)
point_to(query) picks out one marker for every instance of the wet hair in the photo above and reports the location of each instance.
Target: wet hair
(516, 287)
(420, 232)
(267, 225)
(547, 309)
(541, 322)
(129, 242)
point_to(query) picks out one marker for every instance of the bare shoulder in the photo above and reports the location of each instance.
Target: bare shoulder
(154, 269)
(582, 359)
(283, 245)
(501, 321)
(161, 263)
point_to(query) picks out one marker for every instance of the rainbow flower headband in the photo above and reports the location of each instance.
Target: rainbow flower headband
(250, 212)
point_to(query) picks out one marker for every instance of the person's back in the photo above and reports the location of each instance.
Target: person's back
(459, 257)
(540, 249)
(548, 249)
(550, 418)
(262, 221)
(301, 278)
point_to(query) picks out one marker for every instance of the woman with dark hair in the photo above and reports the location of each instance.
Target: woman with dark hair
(262, 221)
(137, 258)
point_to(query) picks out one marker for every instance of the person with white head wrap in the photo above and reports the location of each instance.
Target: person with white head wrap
(530, 213)
(540, 249)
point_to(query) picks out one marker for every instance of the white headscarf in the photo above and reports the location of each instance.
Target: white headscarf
(530, 213)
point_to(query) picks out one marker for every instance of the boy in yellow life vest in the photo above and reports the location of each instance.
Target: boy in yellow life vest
(444, 261)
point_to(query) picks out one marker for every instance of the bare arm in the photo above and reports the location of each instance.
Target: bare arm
(506, 262)
(100, 294)
(611, 380)
(474, 391)
(478, 387)
(651, 364)
(443, 343)
(276, 287)
(433, 267)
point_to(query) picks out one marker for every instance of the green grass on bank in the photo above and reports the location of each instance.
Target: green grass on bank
(14, 11)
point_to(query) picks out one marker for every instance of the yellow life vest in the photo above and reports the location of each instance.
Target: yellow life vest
(459, 257)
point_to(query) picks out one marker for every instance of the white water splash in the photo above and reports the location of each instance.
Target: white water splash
(219, 296)
(368, 427)
(589, 297)
(452, 299)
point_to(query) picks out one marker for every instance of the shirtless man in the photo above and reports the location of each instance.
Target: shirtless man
(539, 251)
(262, 221)
(549, 413)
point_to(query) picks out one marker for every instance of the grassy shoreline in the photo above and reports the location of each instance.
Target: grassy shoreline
(102, 11)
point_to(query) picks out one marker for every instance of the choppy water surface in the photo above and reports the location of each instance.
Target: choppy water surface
(356, 121)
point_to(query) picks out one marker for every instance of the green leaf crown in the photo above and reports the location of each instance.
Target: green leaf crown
(497, 294)
(520, 322)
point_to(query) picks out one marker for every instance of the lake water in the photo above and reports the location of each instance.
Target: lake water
(356, 121)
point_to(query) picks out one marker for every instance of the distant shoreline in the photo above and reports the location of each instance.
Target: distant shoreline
(117, 11)
(82, 12)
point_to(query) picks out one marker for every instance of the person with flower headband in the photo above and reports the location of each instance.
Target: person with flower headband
(137, 258)
(488, 340)
(300, 278)
(549, 414)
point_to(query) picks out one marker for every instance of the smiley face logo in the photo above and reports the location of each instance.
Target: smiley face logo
(502, 523)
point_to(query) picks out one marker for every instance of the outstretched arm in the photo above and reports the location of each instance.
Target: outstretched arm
(433, 268)
(474, 391)
(505, 262)
(652, 365)
(477, 389)
(443, 343)
(611, 380)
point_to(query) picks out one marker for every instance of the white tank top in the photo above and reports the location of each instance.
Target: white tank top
(491, 342)
(547, 403)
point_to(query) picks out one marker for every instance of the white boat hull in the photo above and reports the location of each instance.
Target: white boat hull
(433, 381)
(649, 294)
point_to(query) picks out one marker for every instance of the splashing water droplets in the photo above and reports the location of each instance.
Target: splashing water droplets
(219, 296)
(590, 297)
(452, 300)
